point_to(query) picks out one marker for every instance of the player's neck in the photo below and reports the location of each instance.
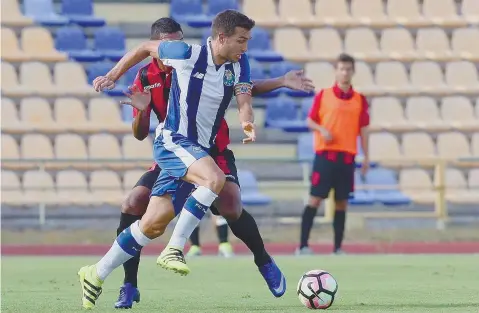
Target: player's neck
(217, 58)
(344, 86)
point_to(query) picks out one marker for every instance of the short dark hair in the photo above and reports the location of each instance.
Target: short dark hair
(226, 22)
(164, 25)
(346, 58)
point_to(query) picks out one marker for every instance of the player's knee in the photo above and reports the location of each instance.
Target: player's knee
(314, 202)
(229, 204)
(153, 229)
(215, 181)
(341, 205)
(136, 202)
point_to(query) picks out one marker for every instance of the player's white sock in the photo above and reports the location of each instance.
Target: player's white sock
(128, 244)
(195, 208)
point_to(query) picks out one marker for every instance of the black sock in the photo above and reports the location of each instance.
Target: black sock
(222, 231)
(131, 266)
(338, 225)
(195, 237)
(246, 229)
(306, 224)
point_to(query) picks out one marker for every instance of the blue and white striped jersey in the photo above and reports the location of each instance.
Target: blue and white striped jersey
(200, 90)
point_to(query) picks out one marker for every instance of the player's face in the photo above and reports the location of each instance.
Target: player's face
(237, 44)
(344, 72)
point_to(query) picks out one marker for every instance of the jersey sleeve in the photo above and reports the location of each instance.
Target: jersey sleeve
(364, 116)
(314, 111)
(244, 85)
(174, 53)
(139, 84)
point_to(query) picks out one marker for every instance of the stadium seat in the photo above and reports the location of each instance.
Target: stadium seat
(406, 13)
(418, 146)
(250, 194)
(426, 77)
(105, 187)
(43, 12)
(103, 147)
(297, 13)
(305, 148)
(110, 42)
(417, 184)
(10, 84)
(370, 13)
(384, 147)
(130, 178)
(38, 188)
(463, 43)
(459, 113)
(283, 113)
(189, 12)
(470, 11)
(306, 105)
(424, 113)
(259, 47)
(263, 12)
(12, 16)
(71, 147)
(391, 77)
(72, 40)
(363, 80)
(217, 6)
(453, 145)
(385, 178)
(11, 189)
(10, 150)
(321, 73)
(387, 114)
(362, 44)
(433, 44)
(291, 43)
(37, 79)
(471, 195)
(72, 188)
(36, 146)
(70, 115)
(37, 43)
(134, 149)
(10, 120)
(473, 180)
(333, 13)
(36, 115)
(477, 108)
(475, 145)
(257, 71)
(81, 12)
(398, 44)
(329, 52)
(456, 187)
(70, 79)
(104, 115)
(281, 69)
(462, 77)
(100, 69)
(11, 51)
(442, 13)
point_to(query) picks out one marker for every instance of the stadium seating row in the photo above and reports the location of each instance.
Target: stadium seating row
(393, 43)
(37, 44)
(372, 13)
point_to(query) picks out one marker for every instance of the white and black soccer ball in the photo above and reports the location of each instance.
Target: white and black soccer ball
(317, 289)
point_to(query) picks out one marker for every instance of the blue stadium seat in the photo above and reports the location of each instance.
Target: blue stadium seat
(43, 12)
(360, 197)
(306, 104)
(259, 47)
(100, 69)
(257, 71)
(110, 42)
(386, 177)
(283, 113)
(72, 40)
(305, 147)
(216, 6)
(189, 12)
(250, 194)
(81, 12)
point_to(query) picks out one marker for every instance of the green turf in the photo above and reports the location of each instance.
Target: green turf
(440, 283)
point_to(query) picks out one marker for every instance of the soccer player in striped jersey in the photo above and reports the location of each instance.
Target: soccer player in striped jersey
(204, 81)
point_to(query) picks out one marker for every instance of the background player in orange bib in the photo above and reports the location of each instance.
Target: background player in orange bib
(338, 116)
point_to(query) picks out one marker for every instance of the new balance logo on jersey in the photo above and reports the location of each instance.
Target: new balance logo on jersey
(146, 88)
(199, 75)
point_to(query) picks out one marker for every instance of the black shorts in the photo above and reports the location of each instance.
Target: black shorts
(333, 170)
(224, 159)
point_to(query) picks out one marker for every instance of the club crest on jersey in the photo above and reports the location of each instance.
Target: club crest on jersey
(228, 78)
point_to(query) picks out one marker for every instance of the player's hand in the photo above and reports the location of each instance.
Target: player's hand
(297, 81)
(137, 99)
(326, 134)
(364, 167)
(103, 83)
(250, 132)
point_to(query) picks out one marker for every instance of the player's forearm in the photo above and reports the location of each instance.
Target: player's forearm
(312, 125)
(365, 142)
(266, 85)
(141, 125)
(246, 112)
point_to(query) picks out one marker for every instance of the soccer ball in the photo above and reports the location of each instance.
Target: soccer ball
(317, 289)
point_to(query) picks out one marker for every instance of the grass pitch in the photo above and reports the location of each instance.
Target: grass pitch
(389, 283)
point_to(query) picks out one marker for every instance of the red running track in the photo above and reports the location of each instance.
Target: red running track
(273, 248)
